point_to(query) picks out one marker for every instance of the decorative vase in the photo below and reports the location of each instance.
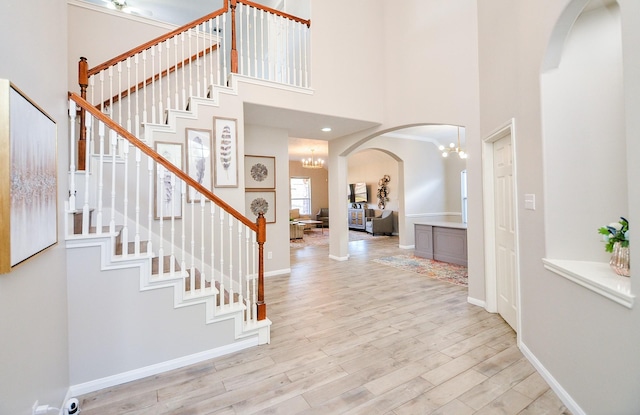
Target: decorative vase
(620, 260)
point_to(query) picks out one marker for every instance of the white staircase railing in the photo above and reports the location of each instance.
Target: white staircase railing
(139, 197)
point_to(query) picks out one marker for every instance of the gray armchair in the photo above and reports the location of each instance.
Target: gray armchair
(323, 215)
(383, 224)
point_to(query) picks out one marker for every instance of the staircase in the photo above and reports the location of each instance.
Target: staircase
(140, 199)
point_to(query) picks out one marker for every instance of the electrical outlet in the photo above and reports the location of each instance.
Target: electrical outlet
(269, 255)
(35, 406)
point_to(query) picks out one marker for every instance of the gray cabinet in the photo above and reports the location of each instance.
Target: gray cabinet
(444, 241)
(358, 217)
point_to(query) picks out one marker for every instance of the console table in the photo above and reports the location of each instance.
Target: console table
(358, 217)
(442, 241)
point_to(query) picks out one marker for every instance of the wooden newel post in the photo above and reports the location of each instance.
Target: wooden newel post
(261, 237)
(83, 81)
(234, 50)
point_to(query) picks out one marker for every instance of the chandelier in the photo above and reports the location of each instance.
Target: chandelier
(453, 149)
(312, 162)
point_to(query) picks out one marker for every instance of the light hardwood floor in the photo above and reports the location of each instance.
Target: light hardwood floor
(354, 337)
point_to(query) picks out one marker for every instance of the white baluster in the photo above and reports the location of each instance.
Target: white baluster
(222, 244)
(110, 93)
(86, 215)
(136, 117)
(297, 52)
(150, 185)
(202, 260)
(162, 172)
(192, 271)
(198, 62)
(119, 93)
(224, 54)
(240, 44)
(172, 258)
(219, 51)
(240, 295)
(254, 299)
(262, 49)
(190, 65)
(184, 71)
(128, 95)
(144, 90)
(306, 57)
(160, 104)
(175, 59)
(102, 90)
(153, 89)
(255, 43)
(125, 212)
(230, 258)
(286, 50)
(183, 262)
(168, 55)
(100, 177)
(213, 251)
(211, 57)
(136, 239)
(203, 33)
(247, 245)
(72, 156)
(113, 141)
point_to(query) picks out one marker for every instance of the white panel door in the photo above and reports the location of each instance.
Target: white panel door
(505, 230)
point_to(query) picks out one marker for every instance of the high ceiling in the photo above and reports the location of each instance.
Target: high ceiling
(304, 128)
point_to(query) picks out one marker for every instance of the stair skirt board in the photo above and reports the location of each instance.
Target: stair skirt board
(213, 313)
(136, 374)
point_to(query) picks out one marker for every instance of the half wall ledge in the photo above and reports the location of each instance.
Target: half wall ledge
(595, 276)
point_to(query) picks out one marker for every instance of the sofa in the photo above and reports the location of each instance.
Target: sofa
(381, 225)
(294, 215)
(323, 215)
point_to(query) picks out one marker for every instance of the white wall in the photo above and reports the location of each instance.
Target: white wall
(33, 297)
(265, 141)
(583, 341)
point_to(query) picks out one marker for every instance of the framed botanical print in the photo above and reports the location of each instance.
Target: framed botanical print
(226, 152)
(261, 201)
(259, 172)
(198, 160)
(168, 188)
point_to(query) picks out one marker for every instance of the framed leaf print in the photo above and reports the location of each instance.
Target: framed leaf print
(258, 201)
(168, 188)
(226, 152)
(259, 172)
(198, 160)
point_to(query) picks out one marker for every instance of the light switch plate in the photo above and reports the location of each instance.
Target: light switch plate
(530, 201)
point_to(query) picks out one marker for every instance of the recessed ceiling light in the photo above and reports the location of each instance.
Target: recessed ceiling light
(326, 129)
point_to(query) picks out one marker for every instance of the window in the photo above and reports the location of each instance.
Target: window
(301, 194)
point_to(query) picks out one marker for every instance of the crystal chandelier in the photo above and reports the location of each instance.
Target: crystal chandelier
(453, 149)
(312, 162)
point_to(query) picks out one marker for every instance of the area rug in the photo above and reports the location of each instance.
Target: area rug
(318, 237)
(444, 271)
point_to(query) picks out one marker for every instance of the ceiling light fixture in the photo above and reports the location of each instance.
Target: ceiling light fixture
(453, 149)
(312, 162)
(326, 129)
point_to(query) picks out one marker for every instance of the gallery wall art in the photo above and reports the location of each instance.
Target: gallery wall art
(28, 178)
(226, 152)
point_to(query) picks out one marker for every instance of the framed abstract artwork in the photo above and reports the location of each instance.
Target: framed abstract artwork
(198, 160)
(261, 201)
(259, 172)
(168, 188)
(28, 178)
(226, 152)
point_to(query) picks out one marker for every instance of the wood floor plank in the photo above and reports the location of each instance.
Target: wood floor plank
(353, 337)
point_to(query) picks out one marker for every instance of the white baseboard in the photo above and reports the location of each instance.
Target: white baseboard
(278, 272)
(406, 246)
(475, 301)
(566, 399)
(339, 258)
(109, 381)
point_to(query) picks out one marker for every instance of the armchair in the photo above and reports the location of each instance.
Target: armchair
(294, 215)
(323, 215)
(383, 224)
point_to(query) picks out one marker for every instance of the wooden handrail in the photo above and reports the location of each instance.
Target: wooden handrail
(276, 12)
(157, 40)
(157, 76)
(84, 104)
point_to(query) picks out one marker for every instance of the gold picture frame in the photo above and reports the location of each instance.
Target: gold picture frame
(28, 178)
